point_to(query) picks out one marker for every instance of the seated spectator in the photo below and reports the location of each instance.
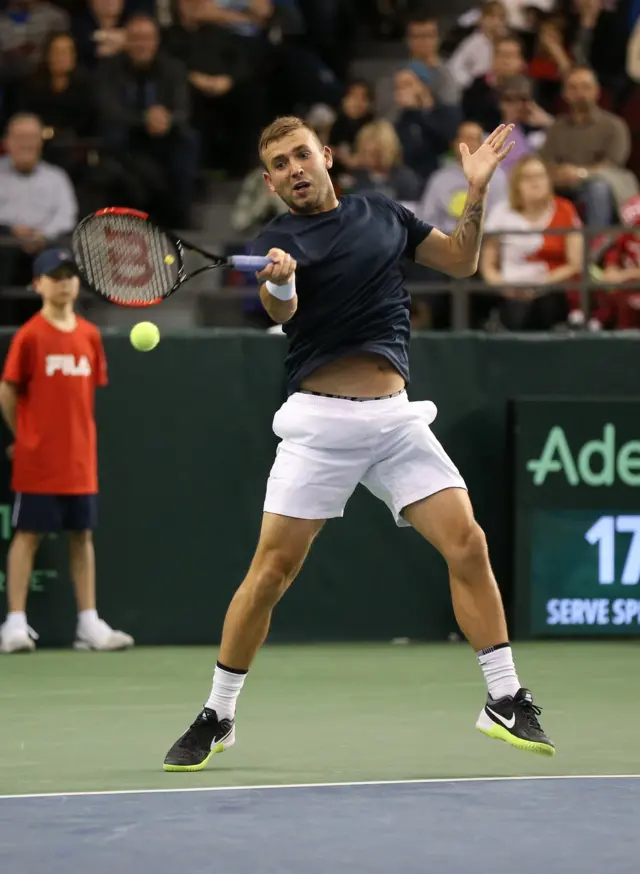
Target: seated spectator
(600, 31)
(225, 110)
(355, 112)
(62, 96)
(144, 101)
(481, 101)
(530, 121)
(474, 55)
(446, 193)
(24, 28)
(37, 201)
(618, 263)
(99, 31)
(523, 263)
(587, 149)
(424, 127)
(378, 165)
(422, 39)
(551, 60)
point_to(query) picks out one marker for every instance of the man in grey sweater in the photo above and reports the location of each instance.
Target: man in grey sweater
(442, 205)
(445, 194)
(37, 202)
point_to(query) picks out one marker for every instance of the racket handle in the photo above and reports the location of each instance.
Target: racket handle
(249, 263)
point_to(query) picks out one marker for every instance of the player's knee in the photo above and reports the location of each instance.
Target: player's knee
(273, 573)
(468, 553)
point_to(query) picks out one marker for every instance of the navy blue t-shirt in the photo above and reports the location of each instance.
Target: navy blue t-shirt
(350, 283)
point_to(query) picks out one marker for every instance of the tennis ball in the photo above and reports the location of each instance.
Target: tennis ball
(169, 259)
(144, 336)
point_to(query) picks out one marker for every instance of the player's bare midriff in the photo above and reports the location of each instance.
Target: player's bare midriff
(357, 376)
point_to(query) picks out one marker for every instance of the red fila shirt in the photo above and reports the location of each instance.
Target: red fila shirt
(56, 373)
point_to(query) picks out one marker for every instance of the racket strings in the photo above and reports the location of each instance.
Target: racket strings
(126, 259)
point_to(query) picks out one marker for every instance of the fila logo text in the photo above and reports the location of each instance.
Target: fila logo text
(67, 365)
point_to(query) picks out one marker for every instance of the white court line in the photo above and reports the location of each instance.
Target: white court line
(278, 786)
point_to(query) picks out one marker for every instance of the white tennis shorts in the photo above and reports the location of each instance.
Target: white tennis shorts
(329, 445)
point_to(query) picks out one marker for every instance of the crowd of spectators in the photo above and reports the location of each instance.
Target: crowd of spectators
(131, 100)
(563, 74)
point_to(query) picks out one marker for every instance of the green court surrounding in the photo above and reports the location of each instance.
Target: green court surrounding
(310, 714)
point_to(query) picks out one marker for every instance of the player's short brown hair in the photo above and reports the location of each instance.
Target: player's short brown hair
(282, 127)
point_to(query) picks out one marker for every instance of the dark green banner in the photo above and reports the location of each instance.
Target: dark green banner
(185, 445)
(577, 507)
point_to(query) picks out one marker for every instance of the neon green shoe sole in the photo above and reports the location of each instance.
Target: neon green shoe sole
(220, 748)
(498, 732)
(205, 738)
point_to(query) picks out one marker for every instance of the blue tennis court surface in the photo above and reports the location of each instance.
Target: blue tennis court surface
(526, 826)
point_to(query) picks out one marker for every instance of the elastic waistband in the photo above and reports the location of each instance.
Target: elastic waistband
(347, 405)
(321, 394)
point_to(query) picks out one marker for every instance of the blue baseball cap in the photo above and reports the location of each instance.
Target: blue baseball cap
(47, 263)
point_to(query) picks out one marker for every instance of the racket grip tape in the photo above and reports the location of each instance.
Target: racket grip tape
(249, 262)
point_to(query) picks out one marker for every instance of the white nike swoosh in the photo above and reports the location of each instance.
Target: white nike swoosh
(509, 723)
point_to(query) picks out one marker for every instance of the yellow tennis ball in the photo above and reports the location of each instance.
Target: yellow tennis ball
(596, 272)
(144, 336)
(457, 204)
(169, 259)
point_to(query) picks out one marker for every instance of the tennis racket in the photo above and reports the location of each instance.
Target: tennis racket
(128, 260)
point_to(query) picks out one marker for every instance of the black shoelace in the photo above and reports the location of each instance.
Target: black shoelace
(531, 712)
(200, 733)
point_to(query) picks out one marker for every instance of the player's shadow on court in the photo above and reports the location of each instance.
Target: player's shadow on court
(210, 772)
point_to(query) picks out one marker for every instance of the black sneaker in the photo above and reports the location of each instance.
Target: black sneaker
(207, 736)
(515, 720)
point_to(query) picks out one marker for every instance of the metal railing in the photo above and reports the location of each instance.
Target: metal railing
(459, 290)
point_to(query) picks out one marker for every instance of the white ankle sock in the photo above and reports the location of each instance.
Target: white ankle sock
(87, 617)
(15, 620)
(499, 671)
(227, 685)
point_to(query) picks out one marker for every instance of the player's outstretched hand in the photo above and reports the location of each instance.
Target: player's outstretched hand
(281, 271)
(480, 166)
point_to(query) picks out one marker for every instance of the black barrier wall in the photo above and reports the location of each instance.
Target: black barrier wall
(185, 448)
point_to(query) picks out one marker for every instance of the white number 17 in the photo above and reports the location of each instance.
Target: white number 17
(603, 532)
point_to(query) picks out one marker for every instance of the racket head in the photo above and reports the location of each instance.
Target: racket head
(127, 259)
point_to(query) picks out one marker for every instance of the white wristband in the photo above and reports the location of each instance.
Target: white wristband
(282, 292)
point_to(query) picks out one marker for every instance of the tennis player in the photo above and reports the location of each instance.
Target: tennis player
(54, 364)
(336, 284)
